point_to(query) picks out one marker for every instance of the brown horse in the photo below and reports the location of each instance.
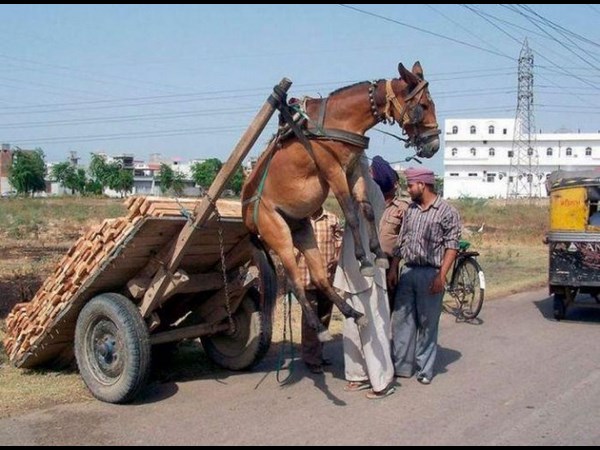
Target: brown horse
(294, 175)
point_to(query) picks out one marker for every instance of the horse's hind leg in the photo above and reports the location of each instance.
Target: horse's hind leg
(275, 232)
(304, 240)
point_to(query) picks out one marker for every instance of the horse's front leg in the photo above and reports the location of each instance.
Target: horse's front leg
(358, 185)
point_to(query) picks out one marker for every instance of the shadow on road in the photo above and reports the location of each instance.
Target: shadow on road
(585, 309)
(445, 357)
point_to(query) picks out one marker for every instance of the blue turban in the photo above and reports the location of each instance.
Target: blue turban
(383, 174)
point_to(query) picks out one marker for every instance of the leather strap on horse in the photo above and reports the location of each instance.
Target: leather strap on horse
(319, 132)
(333, 134)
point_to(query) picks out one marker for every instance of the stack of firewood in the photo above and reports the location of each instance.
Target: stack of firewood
(28, 322)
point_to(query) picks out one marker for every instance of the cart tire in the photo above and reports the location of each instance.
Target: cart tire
(249, 342)
(112, 348)
(560, 308)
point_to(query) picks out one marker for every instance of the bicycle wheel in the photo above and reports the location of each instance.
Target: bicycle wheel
(469, 287)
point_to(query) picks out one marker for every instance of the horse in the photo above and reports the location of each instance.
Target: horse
(294, 175)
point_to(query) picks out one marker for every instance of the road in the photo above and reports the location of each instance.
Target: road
(516, 378)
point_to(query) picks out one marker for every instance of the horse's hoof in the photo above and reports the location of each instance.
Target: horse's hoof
(367, 270)
(382, 263)
(324, 336)
(361, 321)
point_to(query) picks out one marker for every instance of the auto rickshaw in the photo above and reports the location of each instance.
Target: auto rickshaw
(574, 236)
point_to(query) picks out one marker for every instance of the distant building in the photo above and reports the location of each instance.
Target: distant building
(6, 157)
(477, 156)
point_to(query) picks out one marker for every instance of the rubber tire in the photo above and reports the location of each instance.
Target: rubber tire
(471, 269)
(248, 344)
(118, 316)
(559, 307)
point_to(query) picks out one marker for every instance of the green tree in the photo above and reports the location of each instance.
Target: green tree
(439, 185)
(121, 180)
(165, 178)
(28, 171)
(99, 170)
(70, 177)
(110, 175)
(205, 173)
(237, 181)
(178, 183)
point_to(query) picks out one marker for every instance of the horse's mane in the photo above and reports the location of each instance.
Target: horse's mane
(342, 89)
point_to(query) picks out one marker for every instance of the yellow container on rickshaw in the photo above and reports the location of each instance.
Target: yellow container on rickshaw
(574, 236)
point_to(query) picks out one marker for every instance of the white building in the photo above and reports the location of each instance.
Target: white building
(478, 152)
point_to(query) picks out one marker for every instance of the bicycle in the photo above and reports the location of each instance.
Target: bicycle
(467, 285)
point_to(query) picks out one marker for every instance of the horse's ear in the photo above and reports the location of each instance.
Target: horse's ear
(418, 70)
(407, 75)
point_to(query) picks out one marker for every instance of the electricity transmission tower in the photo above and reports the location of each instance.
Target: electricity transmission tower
(523, 176)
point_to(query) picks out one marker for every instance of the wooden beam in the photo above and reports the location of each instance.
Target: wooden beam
(187, 333)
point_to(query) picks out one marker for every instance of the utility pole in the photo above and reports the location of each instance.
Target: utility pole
(523, 176)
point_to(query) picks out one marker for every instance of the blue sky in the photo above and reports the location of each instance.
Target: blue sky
(186, 80)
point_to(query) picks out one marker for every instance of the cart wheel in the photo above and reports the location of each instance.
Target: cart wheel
(249, 341)
(559, 306)
(112, 348)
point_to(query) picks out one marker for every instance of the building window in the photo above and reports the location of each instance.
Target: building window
(454, 174)
(549, 151)
(529, 151)
(454, 151)
(473, 174)
(529, 178)
(491, 129)
(588, 151)
(511, 153)
(473, 129)
(492, 152)
(569, 151)
(504, 131)
(454, 129)
(491, 177)
(473, 151)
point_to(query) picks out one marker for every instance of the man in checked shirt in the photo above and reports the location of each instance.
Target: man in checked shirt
(428, 244)
(328, 234)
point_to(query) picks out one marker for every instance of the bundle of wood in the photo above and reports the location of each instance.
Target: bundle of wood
(28, 322)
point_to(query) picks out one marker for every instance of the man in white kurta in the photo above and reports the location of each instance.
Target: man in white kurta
(367, 350)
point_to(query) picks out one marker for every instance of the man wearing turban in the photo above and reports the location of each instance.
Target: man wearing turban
(389, 225)
(428, 244)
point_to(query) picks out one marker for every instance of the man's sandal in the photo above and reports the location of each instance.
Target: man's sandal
(372, 395)
(355, 386)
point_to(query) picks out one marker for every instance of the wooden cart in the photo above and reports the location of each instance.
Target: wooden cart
(171, 273)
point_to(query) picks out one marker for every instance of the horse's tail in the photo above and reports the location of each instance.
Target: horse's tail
(267, 279)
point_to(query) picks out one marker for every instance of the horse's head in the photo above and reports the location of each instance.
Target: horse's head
(408, 102)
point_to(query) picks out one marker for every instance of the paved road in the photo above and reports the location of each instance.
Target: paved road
(518, 377)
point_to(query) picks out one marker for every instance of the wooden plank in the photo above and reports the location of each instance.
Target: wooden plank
(187, 333)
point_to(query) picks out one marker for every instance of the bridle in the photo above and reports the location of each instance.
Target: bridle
(411, 113)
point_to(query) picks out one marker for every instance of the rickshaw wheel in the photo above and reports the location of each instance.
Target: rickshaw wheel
(559, 306)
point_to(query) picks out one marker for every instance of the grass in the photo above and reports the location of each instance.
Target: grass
(35, 233)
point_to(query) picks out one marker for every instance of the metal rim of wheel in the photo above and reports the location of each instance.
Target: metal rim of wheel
(104, 350)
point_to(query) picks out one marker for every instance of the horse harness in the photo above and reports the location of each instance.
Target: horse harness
(294, 121)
